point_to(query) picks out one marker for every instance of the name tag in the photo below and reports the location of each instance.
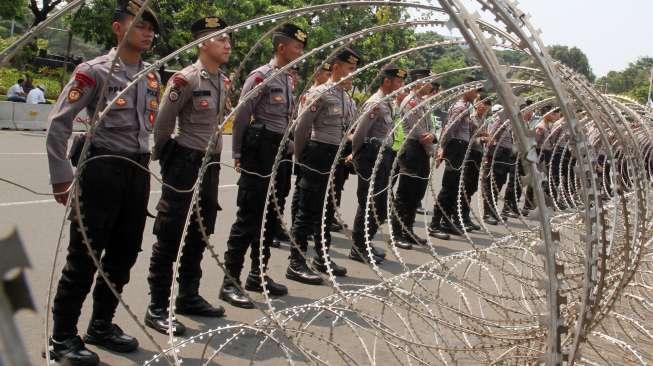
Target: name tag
(201, 93)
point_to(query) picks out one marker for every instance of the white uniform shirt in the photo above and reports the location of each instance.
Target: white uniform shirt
(35, 96)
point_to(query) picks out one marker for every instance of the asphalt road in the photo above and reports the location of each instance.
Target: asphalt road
(38, 220)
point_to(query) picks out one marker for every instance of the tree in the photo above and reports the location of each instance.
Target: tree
(41, 14)
(633, 81)
(574, 58)
(13, 9)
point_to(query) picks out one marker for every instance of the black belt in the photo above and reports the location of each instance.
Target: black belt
(275, 137)
(195, 155)
(141, 158)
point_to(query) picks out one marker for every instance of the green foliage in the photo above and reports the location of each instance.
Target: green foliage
(50, 78)
(633, 81)
(574, 58)
(13, 9)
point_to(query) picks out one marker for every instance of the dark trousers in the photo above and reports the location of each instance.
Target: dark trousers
(413, 181)
(180, 169)
(340, 176)
(447, 201)
(259, 150)
(514, 188)
(365, 160)
(500, 163)
(114, 194)
(545, 162)
(311, 189)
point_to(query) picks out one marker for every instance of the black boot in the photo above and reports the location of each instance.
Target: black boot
(232, 294)
(106, 335)
(337, 270)
(194, 304)
(436, 232)
(335, 226)
(253, 283)
(490, 219)
(299, 271)
(157, 319)
(359, 254)
(71, 351)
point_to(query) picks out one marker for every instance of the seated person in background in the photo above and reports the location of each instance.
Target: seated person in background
(37, 95)
(16, 92)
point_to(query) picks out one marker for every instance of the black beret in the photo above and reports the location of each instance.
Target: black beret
(293, 32)
(348, 55)
(207, 24)
(394, 72)
(132, 7)
(416, 74)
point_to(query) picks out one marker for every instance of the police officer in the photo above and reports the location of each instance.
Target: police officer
(498, 163)
(513, 192)
(322, 125)
(113, 192)
(544, 147)
(455, 138)
(414, 160)
(373, 129)
(196, 96)
(258, 129)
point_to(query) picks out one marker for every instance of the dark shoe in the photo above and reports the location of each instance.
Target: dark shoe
(412, 238)
(451, 229)
(253, 283)
(525, 211)
(363, 257)
(337, 270)
(335, 227)
(72, 352)
(490, 220)
(232, 294)
(299, 271)
(378, 252)
(471, 226)
(109, 336)
(423, 211)
(282, 236)
(197, 305)
(157, 319)
(275, 244)
(402, 243)
(436, 232)
(509, 213)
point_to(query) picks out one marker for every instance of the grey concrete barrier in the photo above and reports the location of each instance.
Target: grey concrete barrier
(33, 117)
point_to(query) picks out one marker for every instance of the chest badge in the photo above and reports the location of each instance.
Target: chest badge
(121, 102)
(277, 98)
(152, 82)
(154, 104)
(151, 117)
(204, 103)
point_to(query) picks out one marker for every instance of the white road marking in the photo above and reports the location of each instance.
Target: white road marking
(37, 202)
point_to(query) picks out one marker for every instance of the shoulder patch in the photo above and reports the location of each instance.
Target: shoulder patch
(83, 80)
(412, 103)
(75, 94)
(179, 81)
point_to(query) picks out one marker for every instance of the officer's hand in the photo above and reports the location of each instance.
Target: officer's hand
(237, 165)
(438, 157)
(426, 138)
(349, 158)
(60, 191)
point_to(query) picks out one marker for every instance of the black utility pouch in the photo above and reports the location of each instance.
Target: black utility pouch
(76, 149)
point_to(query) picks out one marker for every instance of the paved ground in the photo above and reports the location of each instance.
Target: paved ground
(38, 220)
